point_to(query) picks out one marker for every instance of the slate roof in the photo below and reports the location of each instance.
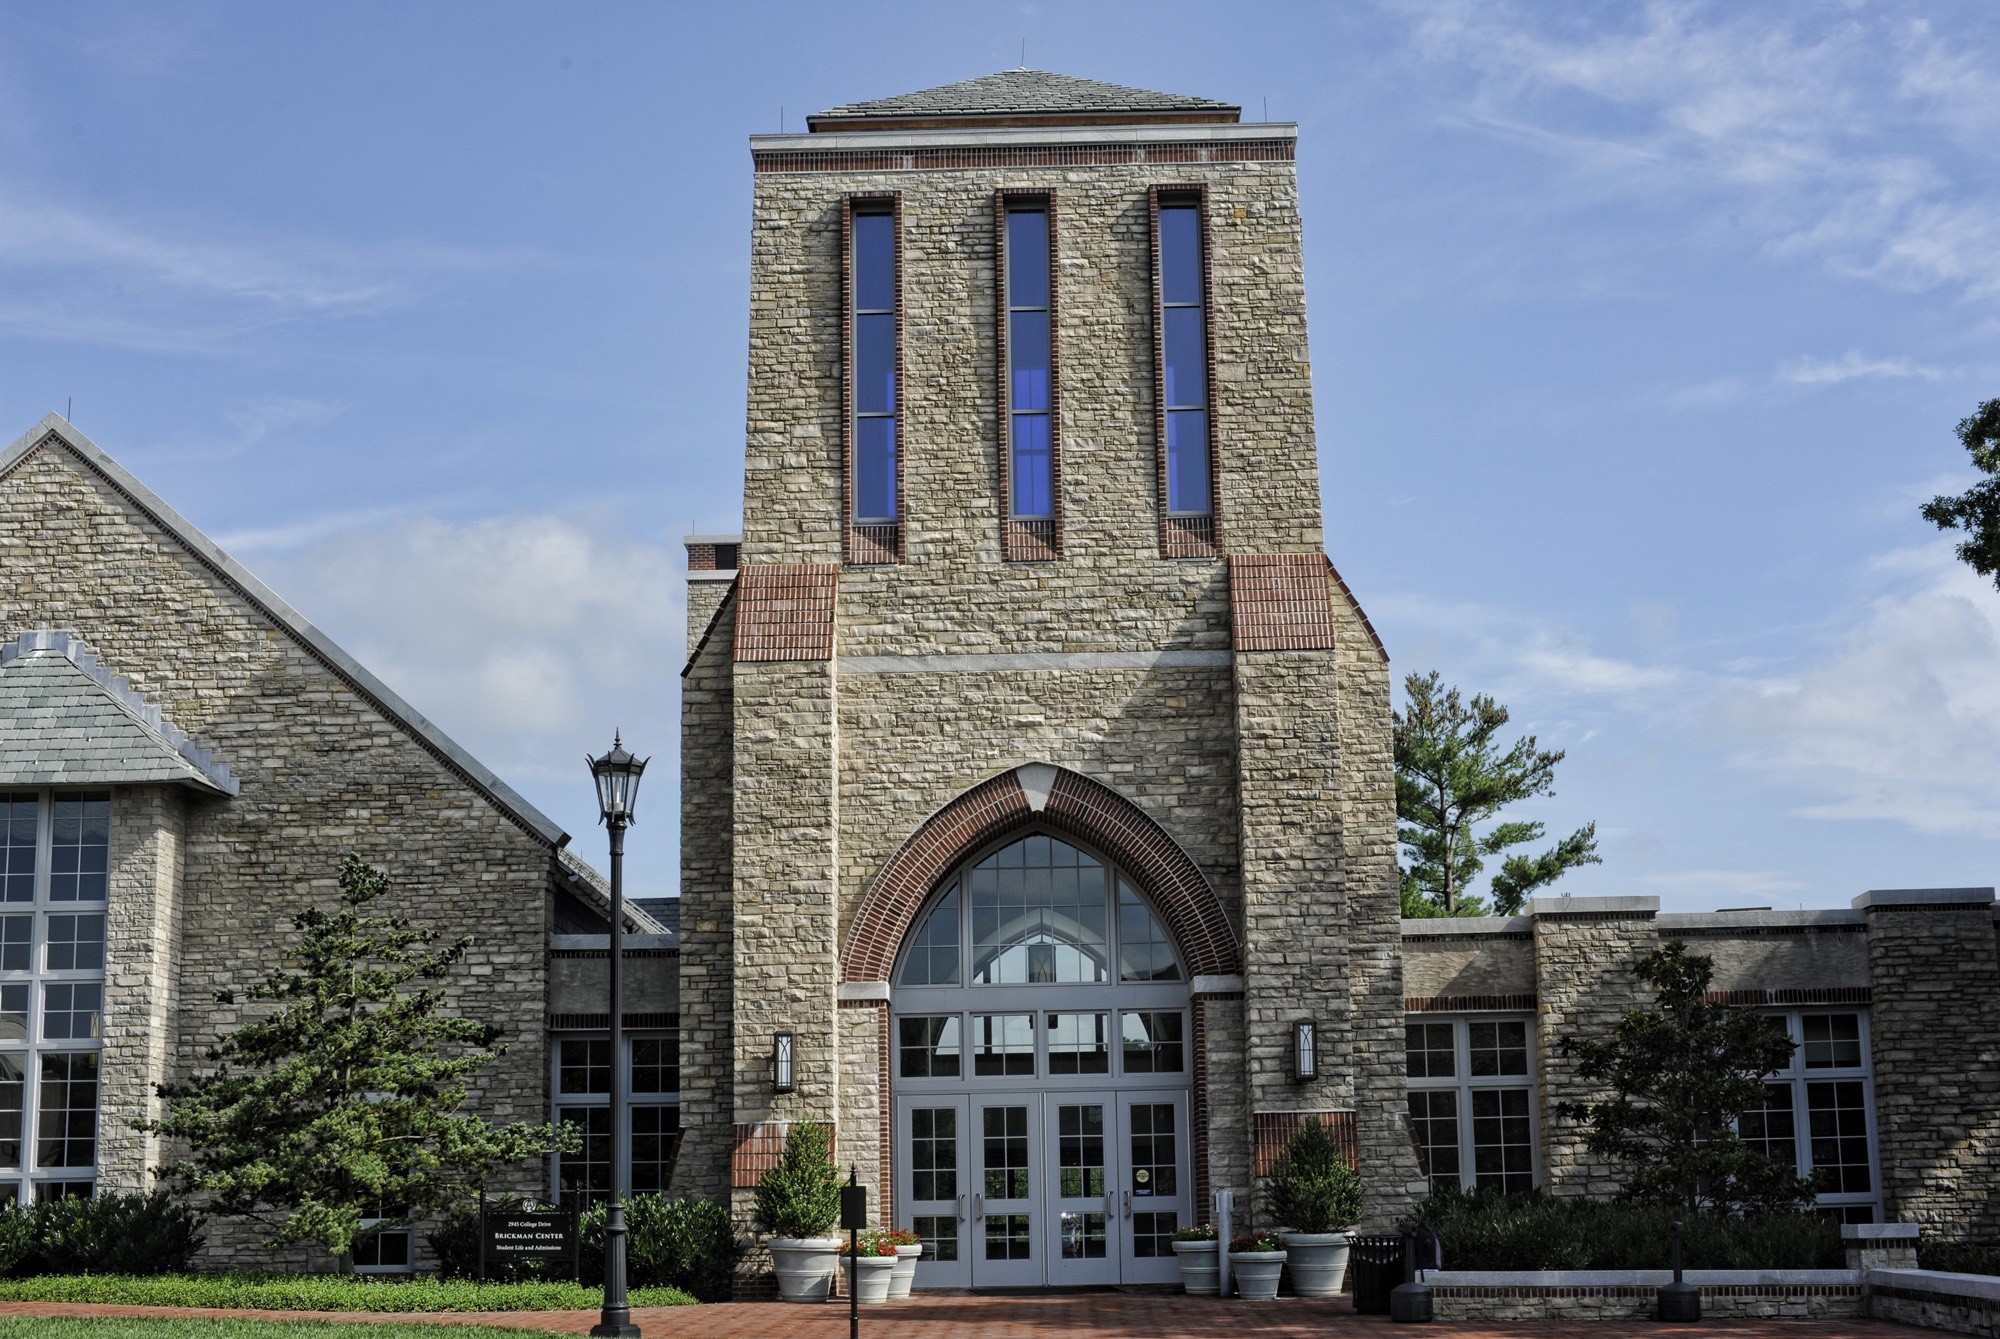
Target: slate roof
(594, 890)
(1014, 93)
(66, 721)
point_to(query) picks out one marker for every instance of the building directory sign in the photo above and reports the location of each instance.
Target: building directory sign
(519, 1237)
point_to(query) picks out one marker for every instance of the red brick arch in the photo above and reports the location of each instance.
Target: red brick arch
(1076, 806)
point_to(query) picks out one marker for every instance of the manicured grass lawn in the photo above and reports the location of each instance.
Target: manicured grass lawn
(47, 1327)
(303, 1292)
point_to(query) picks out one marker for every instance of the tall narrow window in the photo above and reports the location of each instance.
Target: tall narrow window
(1030, 455)
(1183, 354)
(872, 370)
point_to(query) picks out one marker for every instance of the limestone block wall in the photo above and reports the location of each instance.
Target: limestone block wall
(1935, 1028)
(1461, 961)
(1584, 953)
(142, 941)
(707, 962)
(580, 975)
(324, 771)
(785, 855)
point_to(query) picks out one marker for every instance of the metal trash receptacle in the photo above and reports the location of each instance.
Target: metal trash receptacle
(1376, 1266)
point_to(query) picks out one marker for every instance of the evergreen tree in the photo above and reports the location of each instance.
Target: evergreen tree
(1977, 510)
(348, 1093)
(1451, 776)
(1681, 1075)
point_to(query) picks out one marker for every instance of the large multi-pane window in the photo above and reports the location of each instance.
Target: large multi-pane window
(1472, 1101)
(1819, 1112)
(1030, 424)
(55, 860)
(873, 360)
(583, 1102)
(1183, 355)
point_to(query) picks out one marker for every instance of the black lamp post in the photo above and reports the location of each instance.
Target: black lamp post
(617, 775)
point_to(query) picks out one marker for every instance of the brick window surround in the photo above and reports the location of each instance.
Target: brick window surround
(1185, 536)
(865, 545)
(1038, 539)
(1076, 806)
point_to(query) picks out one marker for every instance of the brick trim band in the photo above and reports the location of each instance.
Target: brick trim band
(1467, 1004)
(1272, 1131)
(1042, 155)
(1795, 995)
(785, 613)
(1280, 602)
(1077, 807)
(602, 1022)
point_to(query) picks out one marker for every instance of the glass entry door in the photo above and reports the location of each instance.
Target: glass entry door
(1082, 1227)
(1023, 1190)
(1154, 1194)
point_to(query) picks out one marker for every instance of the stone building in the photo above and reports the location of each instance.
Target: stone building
(1038, 818)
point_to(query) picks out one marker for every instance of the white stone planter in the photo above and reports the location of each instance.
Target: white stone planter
(1257, 1273)
(1201, 1267)
(1318, 1262)
(804, 1266)
(873, 1278)
(905, 1272)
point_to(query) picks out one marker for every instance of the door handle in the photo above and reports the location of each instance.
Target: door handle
(961, 1208)
(1128, 1204)
(978, 1207)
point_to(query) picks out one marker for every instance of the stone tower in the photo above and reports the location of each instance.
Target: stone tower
(1030, 595)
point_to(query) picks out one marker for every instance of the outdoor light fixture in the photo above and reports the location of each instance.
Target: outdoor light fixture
(1305, 1050)
(617, 775)
(781, 1062)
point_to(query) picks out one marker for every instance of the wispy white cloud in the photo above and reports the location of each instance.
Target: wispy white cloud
(1741, 882)
(74, 273)
(1853, 366)
(1852, 136)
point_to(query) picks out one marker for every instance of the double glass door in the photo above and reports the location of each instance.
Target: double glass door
(1029, 1189)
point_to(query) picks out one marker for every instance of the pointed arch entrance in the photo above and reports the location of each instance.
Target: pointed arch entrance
(1042, 1053)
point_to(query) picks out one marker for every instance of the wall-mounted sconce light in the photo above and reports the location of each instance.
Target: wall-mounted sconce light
(781, 1062)
(1305, 1050)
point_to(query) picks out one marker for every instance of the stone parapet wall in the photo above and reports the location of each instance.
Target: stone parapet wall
(1935, 1027)
(1954, 1303)
(1608, 1295)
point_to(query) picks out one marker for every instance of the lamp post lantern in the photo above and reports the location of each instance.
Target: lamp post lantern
(617, 775)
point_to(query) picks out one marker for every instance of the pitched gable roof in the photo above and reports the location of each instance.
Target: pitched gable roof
(66, 721)
(54, 433)
(1024, 97)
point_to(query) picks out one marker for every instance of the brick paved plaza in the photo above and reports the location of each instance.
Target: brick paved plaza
(1083, 1315)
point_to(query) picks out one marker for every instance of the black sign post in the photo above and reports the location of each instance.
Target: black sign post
(853, 1217)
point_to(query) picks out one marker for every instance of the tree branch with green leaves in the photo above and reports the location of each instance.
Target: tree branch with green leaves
(1977, 510)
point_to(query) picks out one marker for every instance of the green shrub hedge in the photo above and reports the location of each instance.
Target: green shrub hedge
(111, 1234)
(323, 1292)
(1960, 1257)
(1516, 1232)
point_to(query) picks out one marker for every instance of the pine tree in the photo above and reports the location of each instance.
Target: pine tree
(1450, 777)
(1681, 1075)
(348, 1094)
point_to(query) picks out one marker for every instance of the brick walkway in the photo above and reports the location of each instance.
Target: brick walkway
(1072, 1315)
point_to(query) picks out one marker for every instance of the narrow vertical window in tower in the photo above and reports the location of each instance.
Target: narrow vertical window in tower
(873, 364)
(1028, 362)
(1184, 357)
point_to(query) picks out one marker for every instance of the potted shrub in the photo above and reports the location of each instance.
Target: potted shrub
(798, 1202)
(1317, 1196)
(1201, 1270)
(1257, 1260)
(909, 1249)
(875, 1266)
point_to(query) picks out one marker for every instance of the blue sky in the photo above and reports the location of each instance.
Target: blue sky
(1639, 333)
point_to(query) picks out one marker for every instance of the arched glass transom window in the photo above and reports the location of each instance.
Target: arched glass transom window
(1039, 911)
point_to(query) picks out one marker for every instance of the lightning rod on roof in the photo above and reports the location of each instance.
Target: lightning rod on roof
(1024, 53)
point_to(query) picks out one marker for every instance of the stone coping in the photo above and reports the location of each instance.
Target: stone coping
(1593, 906)
(712, 539)
(1878, 1231)
(1985, 1287)
(862, 138)
(1667, 923)
(1647, 1278)
(1924, 897)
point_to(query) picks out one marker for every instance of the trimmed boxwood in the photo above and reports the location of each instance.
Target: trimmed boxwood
(1519, 1232)
(322, 1292)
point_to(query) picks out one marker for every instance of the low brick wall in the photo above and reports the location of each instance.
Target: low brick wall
(1958, 1303)
(1632, 1294)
